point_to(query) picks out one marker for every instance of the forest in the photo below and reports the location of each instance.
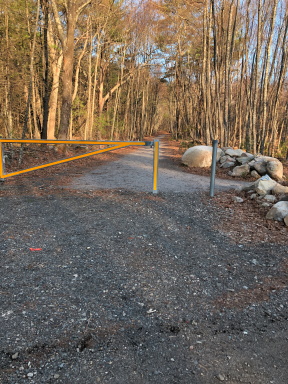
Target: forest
(125, 69)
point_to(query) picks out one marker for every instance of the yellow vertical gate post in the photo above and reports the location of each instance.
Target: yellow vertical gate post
(155, 166)
(1, 161)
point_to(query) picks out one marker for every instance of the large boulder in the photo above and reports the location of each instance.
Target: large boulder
(275, 169)
(241, 171)
(278, 212)
(199, 156)
(259, 165)
(268, 165)
(264, 185)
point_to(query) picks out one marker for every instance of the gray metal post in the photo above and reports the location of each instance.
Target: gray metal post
(213, 167)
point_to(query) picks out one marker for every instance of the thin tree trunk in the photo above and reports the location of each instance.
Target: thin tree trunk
(227, 72)
(94, 89)
(32, 77)
(265, 79)
(53, 101)
(7, 84)
(45, 11)
(256, 90)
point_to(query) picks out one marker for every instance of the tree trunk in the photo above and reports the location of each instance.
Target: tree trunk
(45, 10)
(67, 76)
(265, 79)
(7, 85)
(56, 60)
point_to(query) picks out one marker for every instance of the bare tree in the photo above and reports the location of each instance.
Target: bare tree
(66, 33)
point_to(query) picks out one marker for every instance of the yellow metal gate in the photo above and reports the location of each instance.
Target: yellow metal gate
(112, 146)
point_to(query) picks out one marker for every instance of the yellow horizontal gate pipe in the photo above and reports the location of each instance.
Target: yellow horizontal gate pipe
(113, 145)
(72, 142)
(59, 161)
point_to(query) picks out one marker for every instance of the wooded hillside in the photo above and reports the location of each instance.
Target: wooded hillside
(108, 69)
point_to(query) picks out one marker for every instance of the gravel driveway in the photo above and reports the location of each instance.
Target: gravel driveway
(134, 172)
(102, 285)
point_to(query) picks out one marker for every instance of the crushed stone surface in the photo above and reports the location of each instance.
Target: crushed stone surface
(135, 172)
(123, 286)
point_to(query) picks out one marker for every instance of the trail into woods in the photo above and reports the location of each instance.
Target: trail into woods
(134, 171)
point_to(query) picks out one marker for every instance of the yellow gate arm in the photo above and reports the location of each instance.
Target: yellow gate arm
(112, 146)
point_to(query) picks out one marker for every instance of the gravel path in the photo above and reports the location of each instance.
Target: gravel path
(120, 286)
(134, 172)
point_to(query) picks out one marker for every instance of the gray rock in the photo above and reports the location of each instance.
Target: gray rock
(245, 158)
(222, 159)
(278, 212)
(266, 204)
(280, 189)
(228, 164)
(234, 152)
(283, 197)
(248, 188)
(260, 166)
(251, 164)
(255, 174)
(268, 165)
(225, 158)
(286, 220)
(264, 185)
(237, 199)
(270, 198)
(275, 169)
(241, 170)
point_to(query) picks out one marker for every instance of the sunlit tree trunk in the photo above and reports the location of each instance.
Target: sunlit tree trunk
(67, 39)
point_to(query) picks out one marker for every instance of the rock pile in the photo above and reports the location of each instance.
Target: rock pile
(265, 190)
(268, 171)
(243, 164)
(239, 162)
(269, 193)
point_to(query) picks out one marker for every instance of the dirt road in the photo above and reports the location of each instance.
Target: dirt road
(134, 172)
